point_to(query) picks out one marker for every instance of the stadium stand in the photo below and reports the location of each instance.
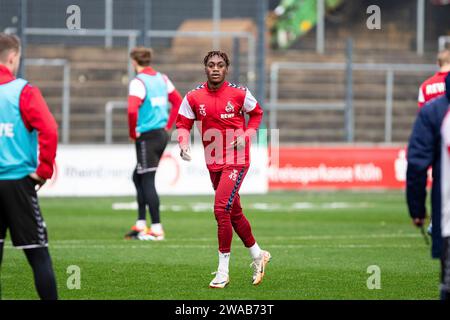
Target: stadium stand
(100, 75)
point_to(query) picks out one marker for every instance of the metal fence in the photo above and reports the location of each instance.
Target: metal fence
(109, 109)
(126, 23)
(217, 35)
(130, 35)
(121, 14)
(65, 108)
(345, 106)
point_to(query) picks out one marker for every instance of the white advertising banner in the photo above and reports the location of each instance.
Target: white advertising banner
(106, 170)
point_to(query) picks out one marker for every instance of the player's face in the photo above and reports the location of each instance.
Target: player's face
(216, 69)
(135, 65)
(14, 61)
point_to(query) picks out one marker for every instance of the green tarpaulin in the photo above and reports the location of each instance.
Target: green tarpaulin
(296, 18)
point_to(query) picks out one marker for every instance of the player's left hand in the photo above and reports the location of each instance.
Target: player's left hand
(239, 143)
(39, 181)
(185, 153)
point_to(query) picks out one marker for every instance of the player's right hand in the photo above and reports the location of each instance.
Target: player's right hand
(185, 153)
(39, 181)
(419, 222)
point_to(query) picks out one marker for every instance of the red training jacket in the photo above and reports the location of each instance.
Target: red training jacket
(221, 114)
(432, 88)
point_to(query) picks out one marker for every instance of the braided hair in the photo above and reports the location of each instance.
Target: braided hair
(218, 53)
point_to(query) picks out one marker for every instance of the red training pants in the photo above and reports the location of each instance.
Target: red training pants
(227, 207)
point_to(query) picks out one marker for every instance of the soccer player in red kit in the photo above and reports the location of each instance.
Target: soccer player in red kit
(220, 106)
(434, 86)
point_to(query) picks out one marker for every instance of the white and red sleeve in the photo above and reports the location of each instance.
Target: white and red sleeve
(136, 94)
(175, 100)
(137, 89)
(185, 121)
(170, 86)
(255, 112)
(421, 99)
(36, 115)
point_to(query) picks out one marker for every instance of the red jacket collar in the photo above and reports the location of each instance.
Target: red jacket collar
(224, 85)
(148, 70)
(5, 74)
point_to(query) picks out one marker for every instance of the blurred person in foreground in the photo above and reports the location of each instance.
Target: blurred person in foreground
(429, 146)
(434, 87)
(149, 121)
(25, 124)
(220, 106)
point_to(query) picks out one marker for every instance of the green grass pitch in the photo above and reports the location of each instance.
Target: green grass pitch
(321, 242)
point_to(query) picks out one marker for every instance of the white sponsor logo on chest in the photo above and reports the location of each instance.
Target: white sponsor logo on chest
(435, 88)
(7, 130)
(230, 109)
(158, 101)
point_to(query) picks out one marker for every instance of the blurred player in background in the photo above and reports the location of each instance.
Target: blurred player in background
(148, 119)
(445, 262)
(428, 146)
(25, 123)
(434, 87)
(220, 107)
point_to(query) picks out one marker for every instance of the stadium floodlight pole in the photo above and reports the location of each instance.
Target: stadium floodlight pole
(274, 70)
(349, 120)
(66, 104)
(216, 23)
(320, 31)
(236, 58)
(147, 22)
(132, 42)
(109, 8)
(420, 26)
(261, 58)
(389, 105)
(22, 24)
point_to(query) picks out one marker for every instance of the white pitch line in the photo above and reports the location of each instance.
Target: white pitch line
(164, 246)
(94, 244)
(267, 238)
(261, 206)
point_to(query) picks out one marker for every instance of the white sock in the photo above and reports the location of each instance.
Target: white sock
(255, 251)
(141, 224)
(224, 261)
(157, 227)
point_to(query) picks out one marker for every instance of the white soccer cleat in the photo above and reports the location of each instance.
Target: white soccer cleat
(220, 280)
(259, 266)
(149, 235)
